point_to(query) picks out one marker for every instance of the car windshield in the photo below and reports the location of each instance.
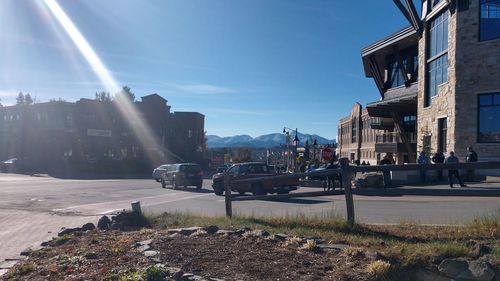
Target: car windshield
(256, 169)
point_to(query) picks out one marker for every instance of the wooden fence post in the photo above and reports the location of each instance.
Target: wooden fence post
(346, 184)
(227, 195)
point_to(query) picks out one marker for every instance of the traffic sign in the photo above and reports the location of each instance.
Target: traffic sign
(327, 154)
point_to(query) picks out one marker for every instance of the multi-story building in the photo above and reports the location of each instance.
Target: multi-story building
(439, 81)
(99, 136)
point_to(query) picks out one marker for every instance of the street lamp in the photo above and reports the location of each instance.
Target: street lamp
(315, 145)
(295, 143)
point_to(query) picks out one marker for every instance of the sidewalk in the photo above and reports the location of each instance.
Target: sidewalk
(481, 189)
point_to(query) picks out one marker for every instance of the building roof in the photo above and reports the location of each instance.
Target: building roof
(153, 97)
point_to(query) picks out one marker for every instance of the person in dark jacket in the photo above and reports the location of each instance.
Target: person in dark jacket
(422, 159)
(449, 160)
(438, 158)
(387, 174)
(470, 157)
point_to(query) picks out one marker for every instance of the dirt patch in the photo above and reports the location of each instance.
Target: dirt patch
(114, 255)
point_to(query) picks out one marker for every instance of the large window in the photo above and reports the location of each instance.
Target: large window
(437, 62)
(354, 129)
(395, 77)
(489, 118)
(490, 20)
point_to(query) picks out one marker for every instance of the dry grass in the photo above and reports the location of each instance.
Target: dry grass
(408, 241)
(310, 245)
(379, 269)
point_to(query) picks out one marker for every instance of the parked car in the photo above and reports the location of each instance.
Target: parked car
(252, 170)
(8, 166)
(182, 174)
(159, 171)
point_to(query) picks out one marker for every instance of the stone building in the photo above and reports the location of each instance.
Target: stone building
(99, 136)
(439, 80)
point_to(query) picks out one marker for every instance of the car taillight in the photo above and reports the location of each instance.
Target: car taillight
(200, 173)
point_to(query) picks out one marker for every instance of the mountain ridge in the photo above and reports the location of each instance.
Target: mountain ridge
(263, 141)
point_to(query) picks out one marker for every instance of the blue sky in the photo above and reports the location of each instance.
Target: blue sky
(250, 66)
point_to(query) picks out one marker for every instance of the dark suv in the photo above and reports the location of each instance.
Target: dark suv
(252, 170)
(183, 174)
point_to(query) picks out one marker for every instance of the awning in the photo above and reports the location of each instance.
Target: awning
(403, 104)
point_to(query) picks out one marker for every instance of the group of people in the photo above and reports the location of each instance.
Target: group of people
(437, 158)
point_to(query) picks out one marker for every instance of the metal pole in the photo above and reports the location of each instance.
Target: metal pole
(346, 183)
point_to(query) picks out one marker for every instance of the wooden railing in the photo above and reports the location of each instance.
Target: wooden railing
(346, 170)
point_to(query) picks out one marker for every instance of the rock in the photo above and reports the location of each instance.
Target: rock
(145, 242)
(189, 230)
(427, 275)
(224, 232)
(67, 231)
(339, 247)
(128, 221)
(480, 250)
(173, 235)
(211, 229)
(103, 223)
(175, 273)
(143, 248)
(280, 236)
(88, 226)
(26, 252)
(261, 233)
(452, 267)
(45, 243)
(150, 254)
(480, 271)
(242, 230)
(192, 277)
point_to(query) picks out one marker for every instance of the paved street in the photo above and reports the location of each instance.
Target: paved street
(33, 209)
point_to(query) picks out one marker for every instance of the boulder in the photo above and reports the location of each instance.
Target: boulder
(480, 271)
(453, 267)
(128, 221)
(88, 226)
(150, 254)
(103, 223)
(211, 229)
(143, 248)
(427, 275)
(67, 231)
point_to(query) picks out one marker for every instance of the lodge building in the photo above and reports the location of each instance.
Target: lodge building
(96, 136)
(439, 84)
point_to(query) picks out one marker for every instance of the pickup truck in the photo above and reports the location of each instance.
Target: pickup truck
(251, 170)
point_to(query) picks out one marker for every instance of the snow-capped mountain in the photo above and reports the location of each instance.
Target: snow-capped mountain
(264, 141)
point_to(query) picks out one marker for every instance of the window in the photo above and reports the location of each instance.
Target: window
(442, 134)
(354, 130)
(434, 3)
(489, 20)
(489, 118)
(437, 63)
(395, 78)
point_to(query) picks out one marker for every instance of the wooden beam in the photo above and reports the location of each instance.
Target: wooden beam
(401, 66)
(398, 122)
(377, 76)
(346, 184)
(403, 10)
(415, 20)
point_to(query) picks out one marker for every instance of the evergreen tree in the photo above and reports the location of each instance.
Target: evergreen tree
(20, 99)
(103, 97)
(28, 100)
(125, 94)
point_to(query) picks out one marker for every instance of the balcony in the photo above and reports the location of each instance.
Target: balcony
(392, 142)
(382, 124)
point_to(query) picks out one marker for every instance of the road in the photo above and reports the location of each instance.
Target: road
(33, 209)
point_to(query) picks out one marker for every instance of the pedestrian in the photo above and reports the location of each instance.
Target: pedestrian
(438, 158)
(470, 157)
(450, 160)
(422, 159)
(387, 174)
(363, 163)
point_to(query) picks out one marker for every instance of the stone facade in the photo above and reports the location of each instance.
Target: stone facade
(473, 68)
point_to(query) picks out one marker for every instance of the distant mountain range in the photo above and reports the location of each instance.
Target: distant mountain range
(264, 141)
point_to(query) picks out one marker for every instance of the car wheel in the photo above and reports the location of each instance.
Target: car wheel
(258, 190)
(218, 189)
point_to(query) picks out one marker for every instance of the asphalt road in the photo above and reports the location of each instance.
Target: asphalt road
(33, 209)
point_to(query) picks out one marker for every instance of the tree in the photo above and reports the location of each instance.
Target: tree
(125, 94)
(28, 100)
(103, 97)
(20, 99)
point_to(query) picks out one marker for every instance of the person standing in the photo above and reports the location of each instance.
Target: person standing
(470, 157)
(450, 160)
(438, 158)
(387, 174)
(422, 159)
